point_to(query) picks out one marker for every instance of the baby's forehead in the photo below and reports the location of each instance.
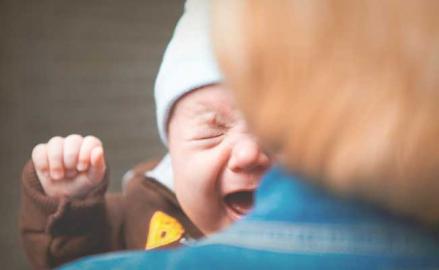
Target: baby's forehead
(211, 107)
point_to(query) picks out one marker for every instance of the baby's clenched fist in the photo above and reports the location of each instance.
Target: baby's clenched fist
(70, 166)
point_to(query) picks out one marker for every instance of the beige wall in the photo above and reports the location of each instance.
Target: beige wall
(77, 66)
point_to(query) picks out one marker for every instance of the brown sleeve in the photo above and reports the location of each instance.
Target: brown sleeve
(55, 231)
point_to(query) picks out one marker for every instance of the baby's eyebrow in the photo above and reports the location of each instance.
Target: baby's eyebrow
(210, 115)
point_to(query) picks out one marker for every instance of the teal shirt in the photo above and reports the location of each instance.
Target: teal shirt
(295, 225)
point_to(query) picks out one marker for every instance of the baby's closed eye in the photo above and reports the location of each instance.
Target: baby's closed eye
(206, 138)
(208, 133)
(210, 126)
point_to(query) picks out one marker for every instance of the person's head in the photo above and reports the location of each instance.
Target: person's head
(347, 92)
(217, 164)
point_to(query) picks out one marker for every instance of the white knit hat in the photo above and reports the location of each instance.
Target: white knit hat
(188, 62)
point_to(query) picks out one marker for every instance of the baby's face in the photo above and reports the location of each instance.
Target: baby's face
(217, 164)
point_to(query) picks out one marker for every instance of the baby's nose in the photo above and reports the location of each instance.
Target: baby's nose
(247, 155)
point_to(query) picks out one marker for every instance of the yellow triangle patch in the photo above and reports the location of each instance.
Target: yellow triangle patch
(163, 230)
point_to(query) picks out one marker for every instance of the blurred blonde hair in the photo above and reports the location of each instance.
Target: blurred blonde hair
(347, 91)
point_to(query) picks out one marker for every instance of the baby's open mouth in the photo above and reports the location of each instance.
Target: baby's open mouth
(240, 202)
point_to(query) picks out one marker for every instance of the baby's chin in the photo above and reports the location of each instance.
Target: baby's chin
(208, 229)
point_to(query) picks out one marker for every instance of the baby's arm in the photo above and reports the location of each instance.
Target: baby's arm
(63, 209)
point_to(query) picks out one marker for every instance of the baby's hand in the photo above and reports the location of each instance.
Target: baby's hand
(70, 166)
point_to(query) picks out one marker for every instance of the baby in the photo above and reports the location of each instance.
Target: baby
(216, 163)
(205, 183)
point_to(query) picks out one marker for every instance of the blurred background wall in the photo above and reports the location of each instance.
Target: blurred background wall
(84, 67)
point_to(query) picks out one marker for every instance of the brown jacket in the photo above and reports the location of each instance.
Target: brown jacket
(55, 231)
